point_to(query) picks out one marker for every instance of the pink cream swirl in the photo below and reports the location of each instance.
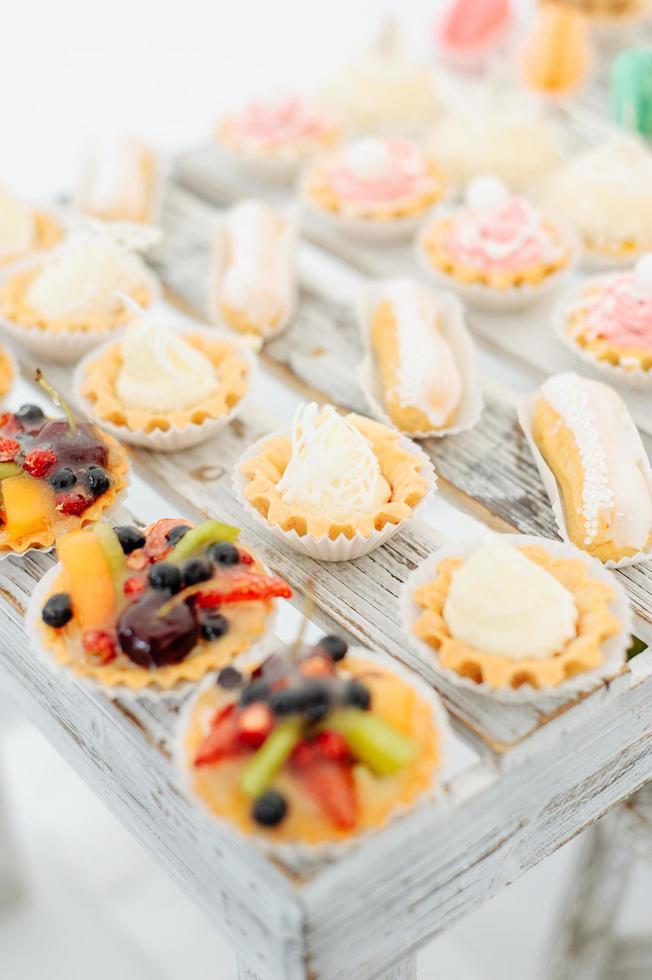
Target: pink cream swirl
(280, 123)
(397, 171)
(621, 313)
(512, 236)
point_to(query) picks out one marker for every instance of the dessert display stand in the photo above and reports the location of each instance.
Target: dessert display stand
(520, 779)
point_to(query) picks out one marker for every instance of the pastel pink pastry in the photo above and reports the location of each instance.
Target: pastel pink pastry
(468, 31)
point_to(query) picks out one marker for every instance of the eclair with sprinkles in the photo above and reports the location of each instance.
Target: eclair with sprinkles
(588, 440)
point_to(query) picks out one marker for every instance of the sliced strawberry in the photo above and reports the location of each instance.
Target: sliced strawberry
(72, 504)
(332, 786)
(304, 754)
(134, 586)
(222, 740)
(331, 745)
(157, 545)
(100, 645)
(255, 722)
(39, 462)
(9, 449)
(243, 587)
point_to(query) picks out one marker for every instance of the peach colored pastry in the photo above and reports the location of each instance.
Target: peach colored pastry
(555, 55)
(253, 287)
(283, 133)
(157, 381)
(494, 240)
(376, 179)
(588, 441)
(154, 607)
(118, 181)
(507, 615)
(611, 319)
(468, 32)
(315, 746)
(24, 229)
(423, 384)
(56, 475)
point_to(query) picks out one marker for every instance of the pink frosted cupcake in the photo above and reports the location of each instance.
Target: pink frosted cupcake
(375, 183)
(608, 321)
(468, 32)
(274, 138)
(496, 249)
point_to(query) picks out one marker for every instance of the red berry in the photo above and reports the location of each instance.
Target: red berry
(72, 504)
(245, 587)
(38, 462)
(9, 449)
(134, 586)
(245, 559)
(332, 745)
(255, 722)
(222, 739)
(304, 754)
(99, 644)
(9, 424)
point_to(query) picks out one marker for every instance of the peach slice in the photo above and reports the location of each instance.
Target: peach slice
(89, 579)
(29, 505)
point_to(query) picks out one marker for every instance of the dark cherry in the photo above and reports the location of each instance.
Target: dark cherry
(197, 570)
(334, 646)
(80, 449)
(63, 479)
(225, 553)
(130, 538)
(176, 533)
(229, 678)
(30, 416)
(356, 695)
(57, 611)
(97, 480)
(150, 640)
(213, 626)
(165, 577)
(269, 809)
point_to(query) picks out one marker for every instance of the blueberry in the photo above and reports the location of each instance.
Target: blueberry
(225, 553)
(335, 646)
(63, 479)
(197, 570)
(317, 699)
(129, 537)
(176, 533)
(256, 691)
(287, 701)
(269, 809)
(30, 415)
(214, 626)
(98, 480)
(229, 678)
(57, 611)
(165, 576)
(356, 695)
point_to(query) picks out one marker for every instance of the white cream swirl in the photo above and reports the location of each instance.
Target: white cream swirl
(333, 471)
(160, 371)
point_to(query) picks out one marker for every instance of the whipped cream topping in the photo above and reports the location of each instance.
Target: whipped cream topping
(16, 225)
(428, 377)
(621, 310)
(501, 602)
(254, 282)
(377, 171)
(160, 371)
(612, 455)
(333, 470)
(496, 231)
(82, 276)
(273, 125)
(607, 193)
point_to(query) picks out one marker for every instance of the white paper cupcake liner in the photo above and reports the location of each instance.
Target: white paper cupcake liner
(301, 858)
(325, 548)
(66, 347)
(593, 261)
(634, 377)
(614, 649)
(285, 257)
(525, 412)
(173, 439)
(270, 168)
(455, 332)
(118, 691)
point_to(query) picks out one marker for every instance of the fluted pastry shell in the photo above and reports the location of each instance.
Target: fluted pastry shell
(48, 232)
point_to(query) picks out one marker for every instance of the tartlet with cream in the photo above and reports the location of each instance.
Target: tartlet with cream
(335, 486)
(162, 387)
(515, 613)
(24, 229)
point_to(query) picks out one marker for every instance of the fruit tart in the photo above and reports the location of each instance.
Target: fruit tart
(274, 138)
(62, 305)
(253, 280)
(515, 613)
(593, 465)
(147, 608)
(377, 187)
(119, 181)
(496, 249)
(336, 486)
(605, 193)
(314, 747)
(56, 475)
(607, 320)
(24, 229)
(162, 387)
(419, 372)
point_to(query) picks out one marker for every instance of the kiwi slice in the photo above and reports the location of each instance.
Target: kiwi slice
(371, 740)
(200, 537)
(113, 552)
(261, 769)
(9, 469)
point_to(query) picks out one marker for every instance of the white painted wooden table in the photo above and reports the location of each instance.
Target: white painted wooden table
(531, 779)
